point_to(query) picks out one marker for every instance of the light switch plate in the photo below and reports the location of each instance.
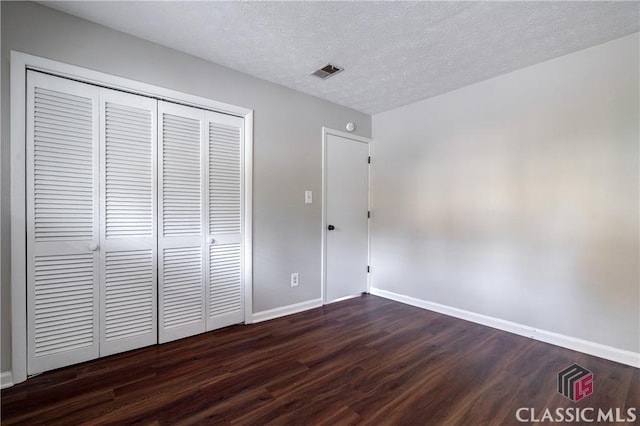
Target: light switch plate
(308, 197)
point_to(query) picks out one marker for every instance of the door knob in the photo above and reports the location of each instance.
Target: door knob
(331, 227)
(93, 247)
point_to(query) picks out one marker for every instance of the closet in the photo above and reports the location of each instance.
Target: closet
(134, 212)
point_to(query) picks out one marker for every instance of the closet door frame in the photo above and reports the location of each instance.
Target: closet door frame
(20, 63)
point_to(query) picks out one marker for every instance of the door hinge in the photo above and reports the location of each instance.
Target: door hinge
(369, 160)
(368, 269)
(369, 215)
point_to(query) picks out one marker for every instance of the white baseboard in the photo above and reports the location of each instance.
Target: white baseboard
(591, 348)
(286, 310)
(6, 379)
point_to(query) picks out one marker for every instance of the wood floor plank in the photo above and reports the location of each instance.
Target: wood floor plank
(366, 360)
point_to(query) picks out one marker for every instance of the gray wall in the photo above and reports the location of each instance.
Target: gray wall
(518, 197)
(287, 141)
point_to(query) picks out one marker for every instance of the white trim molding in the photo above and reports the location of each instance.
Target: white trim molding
(6, 379)
(248, 217)
(286, 310)
(590, 348)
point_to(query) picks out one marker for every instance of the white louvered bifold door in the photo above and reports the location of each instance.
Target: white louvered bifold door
(128, 222)
(62, 222)
(181, 229)
(224, 153)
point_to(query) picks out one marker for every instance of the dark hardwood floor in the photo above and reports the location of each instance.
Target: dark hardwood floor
(362, 361)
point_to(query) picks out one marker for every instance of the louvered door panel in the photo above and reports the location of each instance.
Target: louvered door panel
(181, 184)
(63, 303)
(182, 273)
(63, 166)
(129, 296)
(128, 227)
(181, 239)
(225, 302)
(129, 172)
(225, 207)
(225, 285)
(62, 222)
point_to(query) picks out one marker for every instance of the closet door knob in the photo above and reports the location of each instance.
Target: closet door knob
(93, 247)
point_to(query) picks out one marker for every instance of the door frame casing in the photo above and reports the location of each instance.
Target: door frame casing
(323, 269)
(20, 63)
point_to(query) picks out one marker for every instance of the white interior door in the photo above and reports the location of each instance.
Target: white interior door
(62, 222)
(128, 222)
(346, 213)
(181, 242)
(224, 171)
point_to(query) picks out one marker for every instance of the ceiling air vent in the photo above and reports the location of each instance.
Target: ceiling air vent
(327, 71)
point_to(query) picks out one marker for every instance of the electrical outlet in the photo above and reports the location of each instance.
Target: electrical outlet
(294, 279)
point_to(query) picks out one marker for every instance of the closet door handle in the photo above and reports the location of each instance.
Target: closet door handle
(93, 246)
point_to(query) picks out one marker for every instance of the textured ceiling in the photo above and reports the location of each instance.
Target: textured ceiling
(394, 53)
